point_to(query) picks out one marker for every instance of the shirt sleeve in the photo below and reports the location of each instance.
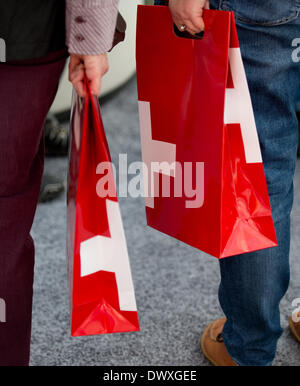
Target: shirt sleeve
(90, 25)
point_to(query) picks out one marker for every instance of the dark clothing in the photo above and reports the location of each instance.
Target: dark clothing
(32, 28)
(26, 94)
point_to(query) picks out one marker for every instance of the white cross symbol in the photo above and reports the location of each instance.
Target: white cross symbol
(110, 254)
(238, 107)
(154, 153)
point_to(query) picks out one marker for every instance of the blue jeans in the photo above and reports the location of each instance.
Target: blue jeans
(253, 284)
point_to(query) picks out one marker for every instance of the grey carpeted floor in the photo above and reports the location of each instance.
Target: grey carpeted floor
(176, 285)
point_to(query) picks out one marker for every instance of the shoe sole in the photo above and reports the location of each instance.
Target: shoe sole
(293, 329)
(204, 335)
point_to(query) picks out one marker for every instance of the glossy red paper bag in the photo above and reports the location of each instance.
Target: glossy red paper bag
(101, 290)
(196, 117)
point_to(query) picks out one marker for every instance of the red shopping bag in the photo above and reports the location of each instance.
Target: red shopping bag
(101, 291)
(198, 134)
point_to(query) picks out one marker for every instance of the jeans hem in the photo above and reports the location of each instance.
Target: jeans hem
(239, 363)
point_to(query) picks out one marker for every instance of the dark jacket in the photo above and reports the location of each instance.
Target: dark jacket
(32, 28)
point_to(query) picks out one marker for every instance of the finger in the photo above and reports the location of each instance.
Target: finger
(197, 23)
(193, 25)
(191, 28)
(78, 71)
(79, 87)
(76, 76)
(188, 26)
(77, 79)
(206, 6)
(95, 86)
(105, 68)
(74, 62)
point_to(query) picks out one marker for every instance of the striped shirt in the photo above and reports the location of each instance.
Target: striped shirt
(90, 25)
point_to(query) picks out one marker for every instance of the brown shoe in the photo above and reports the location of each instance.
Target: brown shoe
(212, 344)
(295, 327)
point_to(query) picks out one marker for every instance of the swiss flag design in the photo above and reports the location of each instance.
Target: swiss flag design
(194, 99)
(102, 292)
(154, 152)
(238, 107)
(102, 253)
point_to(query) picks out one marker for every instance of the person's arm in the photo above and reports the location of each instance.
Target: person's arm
(90, 30)
(90, 25)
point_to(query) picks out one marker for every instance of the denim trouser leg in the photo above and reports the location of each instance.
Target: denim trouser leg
(251, 288)
(252, 285)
